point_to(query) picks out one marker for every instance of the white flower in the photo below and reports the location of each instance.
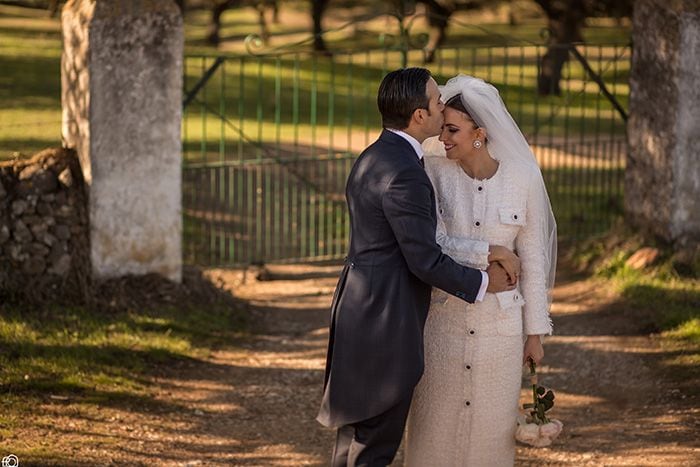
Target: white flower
(537, 435)
(527, 432)
(552, 429)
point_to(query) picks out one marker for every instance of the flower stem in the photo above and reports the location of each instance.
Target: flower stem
(539, 417)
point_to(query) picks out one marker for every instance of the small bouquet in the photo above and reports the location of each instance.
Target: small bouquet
(536, 429)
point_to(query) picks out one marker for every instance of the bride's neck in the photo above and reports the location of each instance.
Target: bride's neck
(481, 167)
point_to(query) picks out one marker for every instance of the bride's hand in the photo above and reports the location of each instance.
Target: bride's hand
(533, 350)
(506, 258)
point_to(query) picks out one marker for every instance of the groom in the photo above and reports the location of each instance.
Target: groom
(375, 351)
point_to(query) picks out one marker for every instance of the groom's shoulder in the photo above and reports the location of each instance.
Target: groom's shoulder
(387, 142)
(386, 153)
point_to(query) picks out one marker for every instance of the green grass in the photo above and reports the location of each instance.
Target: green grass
(321, 101)
(668, 290)
(30, 81)
(318, 102)
(102, 357)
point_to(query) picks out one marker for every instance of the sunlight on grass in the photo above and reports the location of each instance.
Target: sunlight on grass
(30, 50)
(72, 349)
(689, 330)
(674, 299)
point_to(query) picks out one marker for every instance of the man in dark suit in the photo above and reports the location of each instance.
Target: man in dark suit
(375, 350)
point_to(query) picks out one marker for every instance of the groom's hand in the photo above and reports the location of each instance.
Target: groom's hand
(507, 259)
(498, 279)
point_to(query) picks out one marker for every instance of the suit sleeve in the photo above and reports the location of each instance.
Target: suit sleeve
(407, 203)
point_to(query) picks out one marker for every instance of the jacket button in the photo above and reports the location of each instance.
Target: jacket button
(352, 265)
(477, 223)
(468, 367)
(471, 331)
(467, 403)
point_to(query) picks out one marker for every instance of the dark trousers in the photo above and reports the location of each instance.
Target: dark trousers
(372, 442)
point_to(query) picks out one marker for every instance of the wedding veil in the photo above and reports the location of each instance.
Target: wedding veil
(506, 142)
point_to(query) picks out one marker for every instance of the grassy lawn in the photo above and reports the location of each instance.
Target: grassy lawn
(30, 81)
(322, 101)
(665, 293)
(101, 357)
(330, 102)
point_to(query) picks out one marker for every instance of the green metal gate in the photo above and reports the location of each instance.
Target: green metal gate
(268, 141)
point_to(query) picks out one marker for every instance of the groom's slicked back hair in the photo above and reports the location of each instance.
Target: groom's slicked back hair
(400, 94)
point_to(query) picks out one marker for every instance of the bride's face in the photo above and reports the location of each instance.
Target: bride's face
(458, 134)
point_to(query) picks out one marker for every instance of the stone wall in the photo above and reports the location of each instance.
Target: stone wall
(44, 246)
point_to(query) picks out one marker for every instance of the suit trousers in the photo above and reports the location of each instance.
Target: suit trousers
(372, 442)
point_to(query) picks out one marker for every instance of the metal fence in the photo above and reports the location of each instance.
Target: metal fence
(268, 141)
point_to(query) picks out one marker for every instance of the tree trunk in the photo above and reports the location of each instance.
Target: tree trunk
(565, 21)
(318, 7)
(264, 30)
(438, 19)
(53, 8)
(439, 13)
(213, 37)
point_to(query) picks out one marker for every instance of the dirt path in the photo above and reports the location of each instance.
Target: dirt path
(255, 406)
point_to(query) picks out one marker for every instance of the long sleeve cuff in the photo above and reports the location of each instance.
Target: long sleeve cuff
(484, 285)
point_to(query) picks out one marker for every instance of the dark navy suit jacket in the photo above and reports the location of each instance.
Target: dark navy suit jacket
(375, 350)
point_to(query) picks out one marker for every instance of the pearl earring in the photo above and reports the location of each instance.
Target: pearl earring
(476, 144)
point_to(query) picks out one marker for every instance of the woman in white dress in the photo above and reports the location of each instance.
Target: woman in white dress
(488, 188)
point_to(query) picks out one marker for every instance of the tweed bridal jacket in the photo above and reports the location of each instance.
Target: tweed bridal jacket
(465, 406)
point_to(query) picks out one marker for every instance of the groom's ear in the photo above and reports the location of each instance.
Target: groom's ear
(418, 116)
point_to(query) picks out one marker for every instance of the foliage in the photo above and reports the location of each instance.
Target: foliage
(103, 356)
(30, 50)
(668, 290)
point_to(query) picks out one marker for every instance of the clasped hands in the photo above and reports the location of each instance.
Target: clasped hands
(503, 269)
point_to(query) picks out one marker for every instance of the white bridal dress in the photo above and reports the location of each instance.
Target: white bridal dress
(464, 408)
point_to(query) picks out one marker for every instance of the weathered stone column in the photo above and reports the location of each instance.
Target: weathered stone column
(122, 99)
(662, 183)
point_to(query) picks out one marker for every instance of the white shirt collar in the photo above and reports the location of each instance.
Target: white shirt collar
(412, 141)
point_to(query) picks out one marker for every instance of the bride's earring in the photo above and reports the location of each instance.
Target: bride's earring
(476, 144)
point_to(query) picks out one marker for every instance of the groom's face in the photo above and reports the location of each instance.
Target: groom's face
(434, 118)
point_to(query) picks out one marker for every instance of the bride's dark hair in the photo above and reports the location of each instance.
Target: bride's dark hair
(455, 102)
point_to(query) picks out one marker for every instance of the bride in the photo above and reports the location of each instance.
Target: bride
(488, 187)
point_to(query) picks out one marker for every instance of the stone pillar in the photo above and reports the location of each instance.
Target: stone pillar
(122, 106)
(662, 181)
